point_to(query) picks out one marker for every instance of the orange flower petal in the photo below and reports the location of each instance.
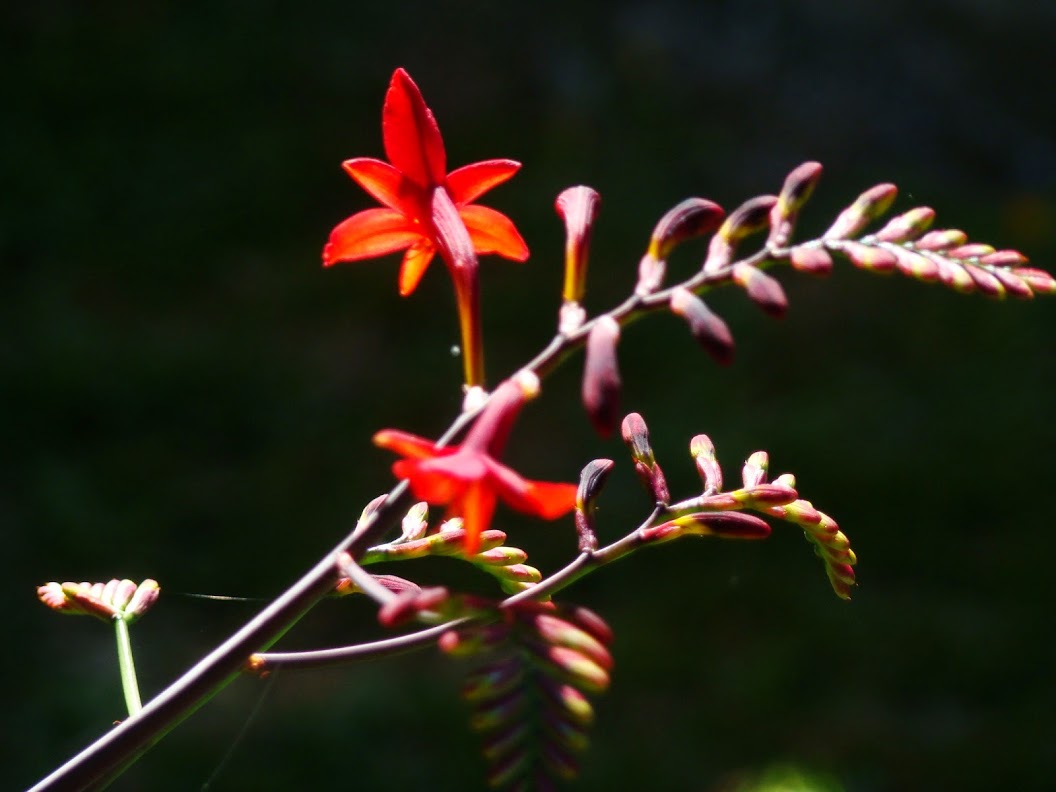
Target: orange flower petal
(537, 498)
(415, 261)
(434, 487)
(493, 232)
(386, 185)
(370, 233)
(410, 133)
(471, 181)
(476, 506)
(551, 499)
(406, 444)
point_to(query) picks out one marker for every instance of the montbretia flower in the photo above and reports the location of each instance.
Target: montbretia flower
(468, 478)
(428, 211)
(405, 187)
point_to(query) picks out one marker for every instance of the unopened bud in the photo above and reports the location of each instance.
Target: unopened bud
(868, 257)
(755, 468)
(870, 205)
(707, 327)
(636, 436)
(601, 376)
(1040, 281)
(651, 271)
(916, 265)
(764, 290)
(409, 603)
(812, 260)
(415, 522)
(798, 187)
(692, 218)
(750, 217)
(703, 452)
(591, 481)
(941, 240)
(907, 226)
(578, 207)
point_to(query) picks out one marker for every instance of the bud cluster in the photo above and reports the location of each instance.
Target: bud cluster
(528, 695)
(116, 599)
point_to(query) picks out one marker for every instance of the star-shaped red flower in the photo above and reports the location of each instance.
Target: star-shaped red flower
(406, 186)
(468, 479)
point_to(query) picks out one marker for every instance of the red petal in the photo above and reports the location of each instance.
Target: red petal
(372, 232)
(552, 499)
(415, 261)
(386, 185)
(493, 232)
(412, 138)
(537, 498)
(472, 181)
(476, 506)
(435, 488)
(406, 444)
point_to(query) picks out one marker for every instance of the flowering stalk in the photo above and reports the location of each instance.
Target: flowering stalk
(127, 666)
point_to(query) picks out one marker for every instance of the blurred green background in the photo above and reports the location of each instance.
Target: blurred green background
(189, 396)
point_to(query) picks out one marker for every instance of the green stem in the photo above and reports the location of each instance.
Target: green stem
(127, 666)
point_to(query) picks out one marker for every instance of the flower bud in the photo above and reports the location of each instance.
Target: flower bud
(812, 260)
(707, 327)
(916, 265)
(636, 436)
(941, 240)
(601, 376)
(750, 217)
(415, 523)
(970, 250)
(578, 207)
(1013, 284)
(797, 189)
(1040, 281)
(591, 481)
(870, 205)
(764, 290)
(703, 452)
(989, 286)
(755, 468)
(692, 218)
(868, 257)
(651, 271)
(907, 226)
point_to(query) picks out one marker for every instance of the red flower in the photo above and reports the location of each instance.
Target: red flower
(468, 479)
(406, 188)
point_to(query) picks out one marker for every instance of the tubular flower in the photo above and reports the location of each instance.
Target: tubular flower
(406, 187)
(468, 479)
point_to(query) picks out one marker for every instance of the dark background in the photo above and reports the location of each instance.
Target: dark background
(187, 395)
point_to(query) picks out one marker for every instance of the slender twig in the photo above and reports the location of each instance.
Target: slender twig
(127, 666)
(263, 662)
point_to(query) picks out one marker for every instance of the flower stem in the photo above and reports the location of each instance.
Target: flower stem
(127, 666)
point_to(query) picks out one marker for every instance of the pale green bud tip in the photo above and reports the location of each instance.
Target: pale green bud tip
(755, 469)
(415, 523)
